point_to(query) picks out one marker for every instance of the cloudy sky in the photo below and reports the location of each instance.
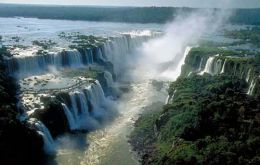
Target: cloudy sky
(186, 3)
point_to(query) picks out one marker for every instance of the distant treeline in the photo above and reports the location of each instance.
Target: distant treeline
(116, 14)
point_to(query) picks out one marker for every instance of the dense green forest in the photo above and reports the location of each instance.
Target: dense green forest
(251, 35)
(209, 121)
(19, 144)
(115, 14)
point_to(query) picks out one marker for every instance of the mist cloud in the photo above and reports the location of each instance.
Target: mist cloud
(161, 57)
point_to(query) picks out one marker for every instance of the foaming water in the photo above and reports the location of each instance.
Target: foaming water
(109, 145)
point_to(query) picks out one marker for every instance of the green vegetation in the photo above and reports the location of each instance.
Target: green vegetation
(44, 44)
(80, 41)
(19, 144)
(116, 14)
(87, 73)
(237, 62)
(249, 35)
(209, 121)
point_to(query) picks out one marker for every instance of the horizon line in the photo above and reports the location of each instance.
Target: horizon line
(118, 6)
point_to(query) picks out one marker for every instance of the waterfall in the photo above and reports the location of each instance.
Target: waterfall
(35, 64)
(95, 95)
(169, 98)
(209, 68)
(74, 58)
(251, 87)
(223, 67)
(49, 146)
(217, 67)
(70, 118)
(48, 140)
(174, 73)
(109, 79)
(200, 66)
(120, 48)
(88, 57)
(114, 50)
(85, 104)
(248, 75)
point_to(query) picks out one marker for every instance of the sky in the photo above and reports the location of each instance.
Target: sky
(176, 3)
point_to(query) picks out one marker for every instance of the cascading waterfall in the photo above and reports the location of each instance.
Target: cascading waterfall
(114, 50)
(169, 98)
(70, 118)
(173, 73)
(87, 107)
(223, 67)
(86, 104)
(49, 146)
(109, 79)
(75, 59)
(217, 67)
(251, 87)
(118, 48)
(209, 68)
(248, 75)
(200, 66)
(29, 65)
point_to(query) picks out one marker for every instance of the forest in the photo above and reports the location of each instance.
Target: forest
(117, 14)
(209, 121)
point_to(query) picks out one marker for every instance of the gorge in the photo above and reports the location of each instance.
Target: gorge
(180, 93)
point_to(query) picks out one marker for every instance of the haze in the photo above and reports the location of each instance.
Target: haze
(176, 3)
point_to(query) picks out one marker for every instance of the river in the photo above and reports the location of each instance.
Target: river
(109, 145)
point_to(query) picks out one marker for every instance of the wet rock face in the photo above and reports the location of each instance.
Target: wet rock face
(53, 117)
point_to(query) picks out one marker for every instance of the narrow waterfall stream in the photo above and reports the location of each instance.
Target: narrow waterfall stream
(109, 145)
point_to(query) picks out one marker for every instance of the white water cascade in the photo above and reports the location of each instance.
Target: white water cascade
(248, 75)
(35, 64)
(70, 118)
(87, 107)
(173, 74)
(209, 68)
(109, 79)
(200, 66)
(170, 98)
(49, 145)
(217, 67)
(120, 49)
(223, 67)
(251, 87)
(114, 50)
